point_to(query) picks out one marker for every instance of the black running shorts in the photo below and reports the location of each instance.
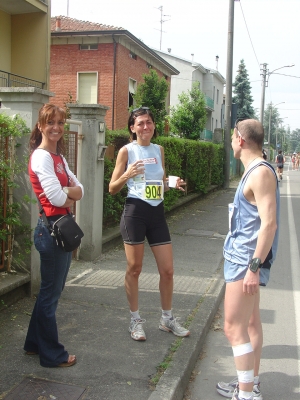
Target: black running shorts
(140, 220)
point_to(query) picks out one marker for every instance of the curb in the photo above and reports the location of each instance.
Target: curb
(173, 383)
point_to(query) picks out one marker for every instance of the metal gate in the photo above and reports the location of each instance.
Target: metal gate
(71, 152)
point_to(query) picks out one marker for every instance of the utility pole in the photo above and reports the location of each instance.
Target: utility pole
(264, 72)
(161, 22)
(228, 97)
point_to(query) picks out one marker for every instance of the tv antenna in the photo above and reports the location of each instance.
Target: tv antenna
(161, 22)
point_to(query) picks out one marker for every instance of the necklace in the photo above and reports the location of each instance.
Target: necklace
(43, 148)
(252, 161)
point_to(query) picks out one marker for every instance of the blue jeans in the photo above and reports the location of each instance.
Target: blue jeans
(42, 335)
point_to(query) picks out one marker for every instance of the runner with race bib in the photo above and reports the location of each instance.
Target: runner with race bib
(140, 165)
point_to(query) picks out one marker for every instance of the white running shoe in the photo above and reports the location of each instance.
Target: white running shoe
(227, 389)
(136, 329)
(172, 325)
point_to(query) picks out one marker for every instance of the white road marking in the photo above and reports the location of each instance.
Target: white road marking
(294, 254)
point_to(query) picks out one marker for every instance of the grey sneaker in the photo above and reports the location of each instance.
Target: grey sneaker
(136, 329)
(235, 395)
(172, 325)
(231, 389)
(227, 389)
(256, 392)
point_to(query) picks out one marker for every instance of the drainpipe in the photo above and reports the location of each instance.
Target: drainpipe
(114, 81)
(80, 137)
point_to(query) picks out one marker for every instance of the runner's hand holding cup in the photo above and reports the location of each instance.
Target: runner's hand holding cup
(175, 182)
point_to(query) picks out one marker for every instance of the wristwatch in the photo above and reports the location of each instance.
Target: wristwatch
(66, 190)
(254, 264)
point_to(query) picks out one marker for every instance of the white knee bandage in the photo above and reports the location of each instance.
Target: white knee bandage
(242, 349)
(245, 376)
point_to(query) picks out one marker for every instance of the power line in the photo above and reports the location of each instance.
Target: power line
(249, 34)
(292, 76)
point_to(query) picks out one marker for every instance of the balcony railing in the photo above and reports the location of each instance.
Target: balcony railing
(206, 135)
(11, 80)
(209, 103)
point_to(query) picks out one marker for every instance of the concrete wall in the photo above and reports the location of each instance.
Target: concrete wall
(30, 38)
(211, 85)
(92, 177)
(5, 41)
(25, 39)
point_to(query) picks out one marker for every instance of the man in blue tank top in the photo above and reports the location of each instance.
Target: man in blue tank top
(249, 250)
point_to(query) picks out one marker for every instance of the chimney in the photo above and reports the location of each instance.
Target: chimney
(169, 50)
(192, 58)
(217, 62)
(58, 24)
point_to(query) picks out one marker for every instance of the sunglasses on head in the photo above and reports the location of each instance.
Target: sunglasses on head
(140, 108)
(236, 127)
(239, 120)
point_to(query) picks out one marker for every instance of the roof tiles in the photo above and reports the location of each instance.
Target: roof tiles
(75, 25)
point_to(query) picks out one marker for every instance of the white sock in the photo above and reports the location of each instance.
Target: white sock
(166, 314)
(245, 395)
(135, 314)
(256, 380)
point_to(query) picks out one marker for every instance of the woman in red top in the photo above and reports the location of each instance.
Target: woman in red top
(57, 189)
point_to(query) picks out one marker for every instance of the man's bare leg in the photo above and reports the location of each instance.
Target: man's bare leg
(239, 307)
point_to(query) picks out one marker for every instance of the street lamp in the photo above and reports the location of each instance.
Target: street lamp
(269, 134)
(265, 74)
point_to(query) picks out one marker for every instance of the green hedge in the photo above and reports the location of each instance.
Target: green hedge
(200, 164)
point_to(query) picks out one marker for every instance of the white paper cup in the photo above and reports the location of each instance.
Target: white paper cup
(173, 181)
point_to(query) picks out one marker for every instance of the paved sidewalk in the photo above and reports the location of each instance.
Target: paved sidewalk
(93, 315)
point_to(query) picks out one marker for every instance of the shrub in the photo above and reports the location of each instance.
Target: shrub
(11, 128)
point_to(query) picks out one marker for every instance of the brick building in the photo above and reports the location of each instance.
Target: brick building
(100, 64)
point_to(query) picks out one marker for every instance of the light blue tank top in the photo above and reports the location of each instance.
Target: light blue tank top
(153, 168)
(241, 239)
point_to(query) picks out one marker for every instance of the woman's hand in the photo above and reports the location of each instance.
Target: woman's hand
(123, 172)
(137, 168)
(180, 182)
(68, 203)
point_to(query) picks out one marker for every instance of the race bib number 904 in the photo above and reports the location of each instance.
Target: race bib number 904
(154, 190)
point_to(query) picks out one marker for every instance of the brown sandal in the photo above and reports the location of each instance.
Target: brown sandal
(71, 361)
(31, 353)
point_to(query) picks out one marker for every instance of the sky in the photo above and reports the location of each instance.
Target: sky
(265, 31)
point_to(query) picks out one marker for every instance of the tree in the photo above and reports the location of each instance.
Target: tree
(188, 118)
(295, 140)
(152, 93)
(275, 123)
(287, 140)
(242, 92)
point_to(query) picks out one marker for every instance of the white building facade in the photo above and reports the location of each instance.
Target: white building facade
(211, 83)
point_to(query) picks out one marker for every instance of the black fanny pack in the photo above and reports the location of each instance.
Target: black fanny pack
(67, 232)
